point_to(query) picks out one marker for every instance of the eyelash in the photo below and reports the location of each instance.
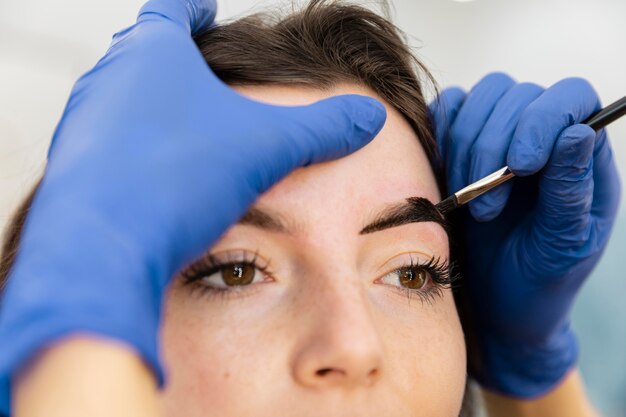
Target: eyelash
(211, 264)
(440, 273)
(441, 276)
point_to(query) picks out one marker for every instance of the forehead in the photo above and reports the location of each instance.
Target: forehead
(345, 192)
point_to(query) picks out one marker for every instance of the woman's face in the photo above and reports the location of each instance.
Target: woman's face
(334, 320)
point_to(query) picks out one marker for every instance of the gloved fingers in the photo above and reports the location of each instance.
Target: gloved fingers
(192, 15)
(607, 184)
(336, 126)
(443, 111)
(489, 151)
(469, 122)
(566, 187)
(567, 102)
(325, 130)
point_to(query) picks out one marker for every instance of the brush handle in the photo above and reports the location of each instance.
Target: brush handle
(596, 121)
(481, 186)
(607, 115)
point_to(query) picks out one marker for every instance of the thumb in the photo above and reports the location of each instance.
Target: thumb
(563, 219)
(333, 127)
(193, 15)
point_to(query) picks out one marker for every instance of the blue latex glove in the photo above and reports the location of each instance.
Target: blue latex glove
(529, 244)
(152, 160)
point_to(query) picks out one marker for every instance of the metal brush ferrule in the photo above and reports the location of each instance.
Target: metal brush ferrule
(482, 186)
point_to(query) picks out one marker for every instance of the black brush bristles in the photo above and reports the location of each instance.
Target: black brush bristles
(448, 204)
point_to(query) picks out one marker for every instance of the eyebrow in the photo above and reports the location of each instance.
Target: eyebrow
(264, 220)
(412, 210)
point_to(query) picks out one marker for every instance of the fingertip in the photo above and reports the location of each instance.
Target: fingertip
(451, 97)
(523, 159)
(443, 111)
(571, 159)
(202, 14)
(565, 103)
(580, 131)
(367, 113)
(336, 126)
(531, 144)
(489, 206)
(193, 15)
(497, 78)
(574, 146)
(446, 105)
(577, 87)
(482, 213)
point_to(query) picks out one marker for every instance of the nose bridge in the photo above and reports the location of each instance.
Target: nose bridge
(337, 295)
(342, 299)
(340, 345)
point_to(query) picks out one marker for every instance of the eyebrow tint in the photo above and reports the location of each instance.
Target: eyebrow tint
(414, 210)
(411, 210)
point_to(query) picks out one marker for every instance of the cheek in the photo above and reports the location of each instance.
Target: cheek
(428, 347)
(209, 358)
(215, 356)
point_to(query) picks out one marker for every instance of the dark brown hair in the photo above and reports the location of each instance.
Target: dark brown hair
(325, 43)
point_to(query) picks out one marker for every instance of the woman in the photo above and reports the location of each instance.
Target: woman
(331, 295)
(296, 308)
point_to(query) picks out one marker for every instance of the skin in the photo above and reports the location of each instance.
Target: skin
(258, 354)
(569, 398)
(100, 378)
(319, 335)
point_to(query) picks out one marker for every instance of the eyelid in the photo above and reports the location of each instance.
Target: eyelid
(211, 263)
(238, 255)
(403, 259)
(223, 258)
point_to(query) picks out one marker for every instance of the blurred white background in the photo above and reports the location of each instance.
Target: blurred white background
(46, 45)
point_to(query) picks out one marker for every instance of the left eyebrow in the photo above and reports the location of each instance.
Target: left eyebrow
(412, 210)
(264, 220)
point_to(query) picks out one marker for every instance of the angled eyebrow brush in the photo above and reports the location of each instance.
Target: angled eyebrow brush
(597, 121)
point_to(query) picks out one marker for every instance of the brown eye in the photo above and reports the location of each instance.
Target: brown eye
(412, 277)
(238, 274)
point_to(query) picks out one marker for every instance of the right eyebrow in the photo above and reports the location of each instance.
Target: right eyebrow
(412, 210)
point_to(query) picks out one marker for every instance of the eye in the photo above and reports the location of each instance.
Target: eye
(413, 277)
(228, 273)
(232, 275)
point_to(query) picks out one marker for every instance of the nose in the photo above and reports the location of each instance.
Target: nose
(340, 347)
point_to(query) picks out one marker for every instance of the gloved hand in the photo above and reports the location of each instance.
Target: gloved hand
(152, 160)
(530, 243)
